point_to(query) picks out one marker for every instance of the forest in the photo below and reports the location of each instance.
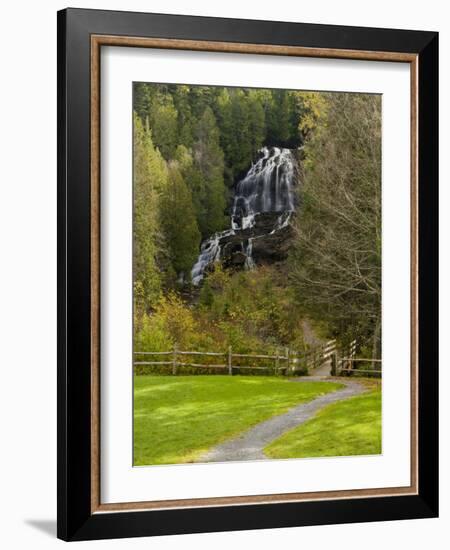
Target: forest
(273, 265)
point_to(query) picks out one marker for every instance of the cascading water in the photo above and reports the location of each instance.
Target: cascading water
(268, 188)
(209, 253)
(249, 261)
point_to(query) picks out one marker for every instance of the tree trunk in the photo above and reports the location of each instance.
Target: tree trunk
(376, 344)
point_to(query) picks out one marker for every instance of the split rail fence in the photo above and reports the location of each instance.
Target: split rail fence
(284, 361)
(349, 366)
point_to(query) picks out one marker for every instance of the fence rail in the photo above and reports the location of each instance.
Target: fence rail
(345, 365)
(286, 361)
(230, 365)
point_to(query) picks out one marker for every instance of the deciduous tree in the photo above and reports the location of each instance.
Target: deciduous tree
(336, 260)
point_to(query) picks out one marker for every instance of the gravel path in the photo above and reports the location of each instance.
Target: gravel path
(250, 444)
(323, 370)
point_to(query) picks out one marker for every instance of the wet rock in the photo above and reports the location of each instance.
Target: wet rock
(263, 210)
(270, 238)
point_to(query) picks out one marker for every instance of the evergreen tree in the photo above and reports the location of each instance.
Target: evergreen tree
(257, 121)
(279, 111)
(224, 119)
(150, 179)
(181, 99)
(164, 125)
(241, 144)
(179, 222)
(209, 159)
(143, 95)
(194, 180)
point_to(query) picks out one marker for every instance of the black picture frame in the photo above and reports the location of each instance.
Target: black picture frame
(75, 518)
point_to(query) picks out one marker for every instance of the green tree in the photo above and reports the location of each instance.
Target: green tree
(181, 98)
(279, 116)
(164, 125)
(143, 95)
(194, 180)
(257, 121)
(224, 119)
(241, 140)
(150, 179)
(209, 160)
(179, 222)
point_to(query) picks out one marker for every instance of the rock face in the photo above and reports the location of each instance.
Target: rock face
(267, 241)
(261, 217)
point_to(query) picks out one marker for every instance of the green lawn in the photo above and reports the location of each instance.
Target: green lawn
(351, 427)
(177, 418)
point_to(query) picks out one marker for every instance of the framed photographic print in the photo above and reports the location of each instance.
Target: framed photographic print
(247, 274)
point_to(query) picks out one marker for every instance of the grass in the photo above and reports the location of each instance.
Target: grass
(178, 418)
(346, 428)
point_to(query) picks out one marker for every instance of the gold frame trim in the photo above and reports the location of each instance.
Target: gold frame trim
(97, 41)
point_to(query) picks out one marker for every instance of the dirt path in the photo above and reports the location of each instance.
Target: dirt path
(250, 444)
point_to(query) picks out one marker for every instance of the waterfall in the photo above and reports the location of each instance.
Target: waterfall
(249, 261)
(268, 187)
(209, 253)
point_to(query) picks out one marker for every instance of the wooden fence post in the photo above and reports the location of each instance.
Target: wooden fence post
(352, 354)
(334, 371)
(288, 352)
(230, 366)
(174, 360)
(277, 361)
